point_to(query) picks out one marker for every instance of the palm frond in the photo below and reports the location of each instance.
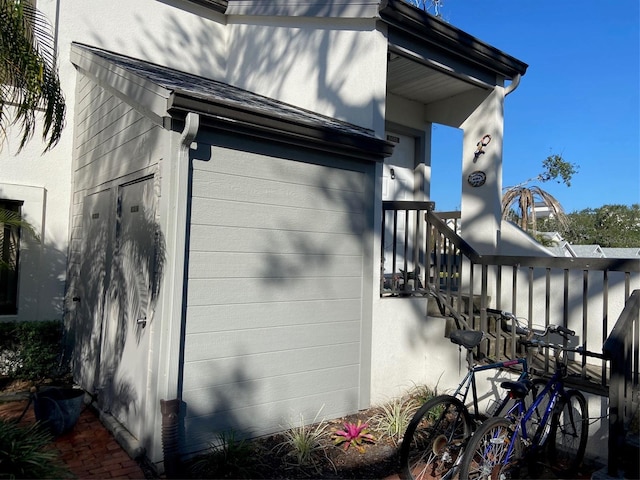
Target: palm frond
(13, 220)
(520, 201)
(28, 74)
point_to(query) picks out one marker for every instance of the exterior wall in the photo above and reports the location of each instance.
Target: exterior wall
(171, 36)
(335, 67)
(42, 182)
(410, 349)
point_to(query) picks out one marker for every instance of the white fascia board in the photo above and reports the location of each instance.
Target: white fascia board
(148, 98)
(305, 8)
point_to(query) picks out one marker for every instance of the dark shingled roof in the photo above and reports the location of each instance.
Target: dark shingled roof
(189, 90)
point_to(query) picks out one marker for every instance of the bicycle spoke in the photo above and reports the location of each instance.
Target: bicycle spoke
(434, 439)
(490, 454)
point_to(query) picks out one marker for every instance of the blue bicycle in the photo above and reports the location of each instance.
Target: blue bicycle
(436, 436)
(501, 447)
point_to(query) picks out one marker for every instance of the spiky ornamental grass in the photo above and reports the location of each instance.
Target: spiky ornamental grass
(24, 453)
(355, 435)
(304, 442)
(394, 418)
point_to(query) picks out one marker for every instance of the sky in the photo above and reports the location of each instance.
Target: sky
(580, 97)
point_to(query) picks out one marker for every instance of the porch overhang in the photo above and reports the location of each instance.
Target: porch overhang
(430, 60)
(166, 96)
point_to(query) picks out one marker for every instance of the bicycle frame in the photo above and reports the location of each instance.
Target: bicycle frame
(555, 388)
(469, 381)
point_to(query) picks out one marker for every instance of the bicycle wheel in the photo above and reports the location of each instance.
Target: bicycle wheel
(488, 454)
(434, 438)
(569, 433)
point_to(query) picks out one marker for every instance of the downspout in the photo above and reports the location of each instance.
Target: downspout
(170, 409)
(513, 85)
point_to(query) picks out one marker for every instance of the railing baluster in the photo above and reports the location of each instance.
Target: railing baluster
(530, 294)
(585, 320)
(547, 313)
(605, 322)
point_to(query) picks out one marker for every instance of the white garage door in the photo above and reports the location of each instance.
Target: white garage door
(274, 315)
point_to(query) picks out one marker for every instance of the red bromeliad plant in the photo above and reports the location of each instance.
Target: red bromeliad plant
(354, 434)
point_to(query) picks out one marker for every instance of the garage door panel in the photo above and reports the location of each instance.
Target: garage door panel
(206, 346)
(262, 290)
(253, 265)
(274, 299)
(276, 388)
(264, 365)
(268, 217)
(276, 193)
(242, 164)
(250, 239)
(220, 318)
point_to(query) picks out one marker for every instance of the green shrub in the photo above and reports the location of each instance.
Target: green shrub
(31, 350)
(23, 453)
(230, 457)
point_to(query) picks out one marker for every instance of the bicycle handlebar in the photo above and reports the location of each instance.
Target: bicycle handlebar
(528, 332)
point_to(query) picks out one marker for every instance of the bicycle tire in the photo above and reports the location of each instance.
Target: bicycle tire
(485, 456)
(569, 433)
(434, 438)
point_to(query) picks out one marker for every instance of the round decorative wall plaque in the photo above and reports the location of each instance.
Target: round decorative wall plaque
(477, 178)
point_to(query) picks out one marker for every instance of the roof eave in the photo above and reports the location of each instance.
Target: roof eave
(234, 118)
(428, 28)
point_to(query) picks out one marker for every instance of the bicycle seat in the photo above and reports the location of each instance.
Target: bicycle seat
(467, 338)
(517, 389)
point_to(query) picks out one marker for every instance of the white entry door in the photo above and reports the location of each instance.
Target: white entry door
(129, 307)
(398, 183)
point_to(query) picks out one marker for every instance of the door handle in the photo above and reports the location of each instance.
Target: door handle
(142, 321)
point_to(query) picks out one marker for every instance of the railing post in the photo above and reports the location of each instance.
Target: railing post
(619, 348)
(616, 421)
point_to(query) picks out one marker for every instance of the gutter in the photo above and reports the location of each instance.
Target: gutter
(289, 125)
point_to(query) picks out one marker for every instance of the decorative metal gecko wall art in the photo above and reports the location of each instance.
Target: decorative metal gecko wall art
(480, 147)
(478, 178)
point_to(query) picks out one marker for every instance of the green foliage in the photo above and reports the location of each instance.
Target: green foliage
(13, 220)
(24, 453)
(28, 76)
(555, 166)
(230, 457)
(394, 418)
(422, 393)
(610, 226)
(354, 434)
(31, 350)
(304, 443)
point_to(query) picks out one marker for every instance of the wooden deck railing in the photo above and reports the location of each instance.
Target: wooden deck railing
(587, 295)
(621, 347)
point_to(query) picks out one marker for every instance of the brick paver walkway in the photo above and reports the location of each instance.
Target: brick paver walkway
(89, 451)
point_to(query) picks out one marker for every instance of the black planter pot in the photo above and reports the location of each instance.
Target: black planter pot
(58, 408)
